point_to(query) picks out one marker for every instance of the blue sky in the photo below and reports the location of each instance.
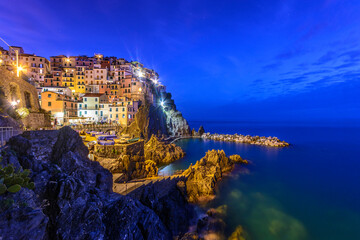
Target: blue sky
(221, 60)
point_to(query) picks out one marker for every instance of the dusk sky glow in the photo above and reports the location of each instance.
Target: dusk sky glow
(240, 60)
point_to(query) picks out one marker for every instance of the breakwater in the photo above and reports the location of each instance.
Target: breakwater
(255, 140)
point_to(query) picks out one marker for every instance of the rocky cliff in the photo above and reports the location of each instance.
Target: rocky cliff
(158, 119)
(162, 153)
(73, 196)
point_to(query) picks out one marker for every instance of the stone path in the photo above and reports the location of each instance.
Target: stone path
(161, 182)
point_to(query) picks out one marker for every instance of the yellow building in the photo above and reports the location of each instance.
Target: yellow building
(80, 79)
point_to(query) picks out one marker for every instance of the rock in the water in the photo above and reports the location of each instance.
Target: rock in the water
(201, 131)
(202, 177)
(238, 234)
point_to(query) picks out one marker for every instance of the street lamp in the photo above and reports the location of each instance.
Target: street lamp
(18, 70)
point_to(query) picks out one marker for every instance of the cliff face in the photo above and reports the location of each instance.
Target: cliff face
(155, 119)
(73, 196)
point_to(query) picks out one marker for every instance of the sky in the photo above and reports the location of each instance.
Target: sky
(245, 60)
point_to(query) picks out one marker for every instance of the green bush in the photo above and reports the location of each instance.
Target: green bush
(12, 181)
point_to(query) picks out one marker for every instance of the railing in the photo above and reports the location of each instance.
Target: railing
(6, 133)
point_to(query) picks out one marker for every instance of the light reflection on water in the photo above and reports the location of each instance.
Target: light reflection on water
(307, 191)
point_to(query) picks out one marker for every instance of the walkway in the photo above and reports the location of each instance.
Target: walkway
(126, 188)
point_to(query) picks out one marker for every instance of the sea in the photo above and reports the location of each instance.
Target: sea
(310, 190)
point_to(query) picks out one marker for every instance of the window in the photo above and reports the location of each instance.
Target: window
(85, 99)
(96, 112)
(85, 112)
(80, 113)
(110, 115)
(117, 109)
(49, 95)
(101, 113)
(49, 104)
(110, 109)
(117, 116)
(96, 99)
(129, 116)
(85, 106)
(123, 116)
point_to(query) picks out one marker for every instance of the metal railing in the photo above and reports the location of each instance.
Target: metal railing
(6, 133)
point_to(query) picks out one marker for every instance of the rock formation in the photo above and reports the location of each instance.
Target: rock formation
(73, 196)
(169, 203)
(202, 177)
(156, 119)
(162, 153)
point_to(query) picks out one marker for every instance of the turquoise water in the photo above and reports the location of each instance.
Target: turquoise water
(307, 191)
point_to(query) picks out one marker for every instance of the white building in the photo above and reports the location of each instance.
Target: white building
(89, 108)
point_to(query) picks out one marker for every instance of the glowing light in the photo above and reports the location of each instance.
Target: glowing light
(20, 68)
(68, 59)
(140, 74)
(162, 103)
(140, 89)
(13, 103)
(1, 60)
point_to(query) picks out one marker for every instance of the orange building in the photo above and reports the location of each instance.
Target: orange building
(63, 108)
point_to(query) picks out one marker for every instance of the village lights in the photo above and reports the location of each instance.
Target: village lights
(68, 59)
(1, 61)
(162, 103)
(140, 89)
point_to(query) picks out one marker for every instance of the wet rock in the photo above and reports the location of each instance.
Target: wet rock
(202, 177)
(239, 234)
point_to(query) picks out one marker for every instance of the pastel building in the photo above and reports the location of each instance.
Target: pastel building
(89, 107)
(62, 108)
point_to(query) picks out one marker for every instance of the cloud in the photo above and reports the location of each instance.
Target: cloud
(291, 53)
(326, 58)
(271, 66)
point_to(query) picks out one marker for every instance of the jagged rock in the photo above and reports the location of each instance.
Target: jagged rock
(201, 131)
(73, 196)
(202, 177)
(153, 119)
(169, 203)
(132, 166)
(162, 153)
(237, 159)
(238, 234)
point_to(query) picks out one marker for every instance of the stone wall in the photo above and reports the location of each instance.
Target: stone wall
(15, 88)
(113, 151)
(35, 121)
(18, 90)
